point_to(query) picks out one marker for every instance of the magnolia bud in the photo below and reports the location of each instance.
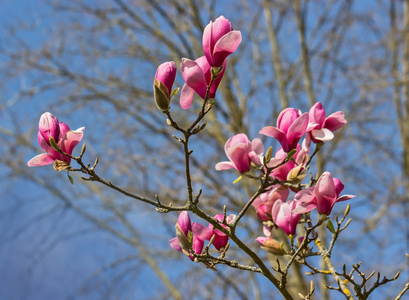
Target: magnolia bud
(162, 86)
(296, 175)
(162, 100)
(270, 245)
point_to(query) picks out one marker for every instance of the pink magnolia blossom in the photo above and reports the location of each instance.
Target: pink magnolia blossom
(264, 203)
(189, 235)
(219, 41)
(65, 138)
(241, 153)
(320, 129)
(197, 76)
(284, 216)
(291, 126)
(166, 73)
(322, 196)
(162, 85)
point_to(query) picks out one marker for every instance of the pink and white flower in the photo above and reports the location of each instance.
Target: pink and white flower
(322, 196)
(285, 217)
(197, 76)
(219, 41)
(264, 203)
(291, 126)
(189, 236)
(241, 153)
(320, 129)
(66, 139)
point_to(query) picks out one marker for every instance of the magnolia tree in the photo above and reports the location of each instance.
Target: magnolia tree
(289, 197)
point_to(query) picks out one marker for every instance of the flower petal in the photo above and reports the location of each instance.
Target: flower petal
(296, 131)
(276, 134)
(41, 160)
(335, 121)
(71, 139)
(193, 76)
(226, 46)
(202, 232)
(323, 134)
(345, 198)
(207, 42)
(174, 243)
(317, 114)
(186, 96)
(224, 165)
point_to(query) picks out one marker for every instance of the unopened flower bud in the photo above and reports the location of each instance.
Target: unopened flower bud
(296, 175)
(270, 245)
(162, 85)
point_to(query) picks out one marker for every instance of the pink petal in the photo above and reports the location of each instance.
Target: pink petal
(276, 134)
(226, 46)
(255, 158)
(306, 195)
(174, 243)
(221, 27)
(339, 187)
(49, 127)
(257, 146)
(317, 114)
(202, 232)
(261, 239)
(224, 165)
(44, 144)
(335, 121)
(220, 241)
(63, 129)
(186, 96)
(238, 154)
(184, 222)
(71, 139)
(193, 76)
(276, 209)
(204, 65)
(286, 118)
(325, 187)
(345, 198)
(296, 131)
(323, 134)
(166, 74)
(304, 207)
(325, 204)
(207, 42)
(41, 160)
(197, 245)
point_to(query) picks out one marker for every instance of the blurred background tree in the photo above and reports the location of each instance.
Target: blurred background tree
(92, 63)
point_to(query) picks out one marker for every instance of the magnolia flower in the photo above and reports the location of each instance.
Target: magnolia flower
(291, 126)
(322, 196)
(320, 129)
(264, 203)
(285, 217)
(189, 236)
(219, 41)
(163, 82)
(241, 153)
(66, 139)
(197, 75)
